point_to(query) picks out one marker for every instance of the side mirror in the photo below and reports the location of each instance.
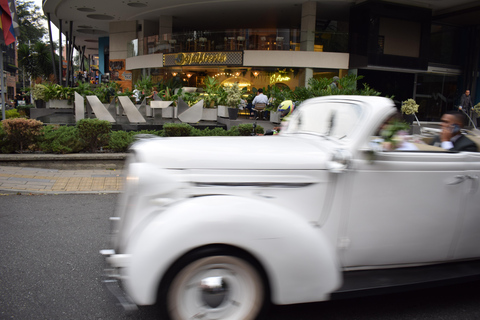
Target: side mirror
(340, 161)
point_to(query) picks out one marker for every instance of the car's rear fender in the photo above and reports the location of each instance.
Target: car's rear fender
(300, 262)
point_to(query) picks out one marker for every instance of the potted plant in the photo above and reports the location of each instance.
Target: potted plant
(409, 108)
(476, 109)
(232, 100)
(38, 94)
(212, 96)
(171, 112)
(145, 86)
(84, 89)
(58, 97)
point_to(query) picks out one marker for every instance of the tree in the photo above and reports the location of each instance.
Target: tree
(35, 60)
(30, 20)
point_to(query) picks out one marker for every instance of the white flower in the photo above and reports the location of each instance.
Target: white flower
(409, 106)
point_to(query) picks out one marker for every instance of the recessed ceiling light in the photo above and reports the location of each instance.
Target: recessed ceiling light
(85, 27)
(137, 4)
(100, 17)
(85, 9)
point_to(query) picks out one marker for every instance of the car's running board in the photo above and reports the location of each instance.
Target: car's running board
(373, 282)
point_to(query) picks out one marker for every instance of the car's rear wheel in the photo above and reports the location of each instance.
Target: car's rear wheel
(208, 285)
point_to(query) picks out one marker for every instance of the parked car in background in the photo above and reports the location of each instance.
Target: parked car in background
(219, 227)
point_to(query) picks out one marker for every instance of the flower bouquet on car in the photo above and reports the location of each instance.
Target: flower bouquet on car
(394, 134)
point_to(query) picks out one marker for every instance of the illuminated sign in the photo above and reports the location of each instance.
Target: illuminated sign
(183, 59)
(274, 78)
(203, 58)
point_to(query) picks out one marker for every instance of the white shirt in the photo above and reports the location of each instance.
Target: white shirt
(261, 98)
(447, 145)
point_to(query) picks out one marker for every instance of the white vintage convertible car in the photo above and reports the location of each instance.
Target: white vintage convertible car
(219, 227)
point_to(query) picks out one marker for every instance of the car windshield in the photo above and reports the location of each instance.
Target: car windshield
(333, 119)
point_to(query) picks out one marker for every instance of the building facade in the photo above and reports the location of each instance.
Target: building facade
(429, 52)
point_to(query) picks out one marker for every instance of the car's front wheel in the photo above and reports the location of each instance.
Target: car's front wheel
(208, 285)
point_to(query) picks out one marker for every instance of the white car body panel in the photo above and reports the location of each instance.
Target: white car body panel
(291, 250)
(291, 201)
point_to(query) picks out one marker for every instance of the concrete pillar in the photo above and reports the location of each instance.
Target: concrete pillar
(307, 36)
(304, 75)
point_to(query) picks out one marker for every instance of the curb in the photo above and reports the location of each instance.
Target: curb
(5, 192)
(75, 161)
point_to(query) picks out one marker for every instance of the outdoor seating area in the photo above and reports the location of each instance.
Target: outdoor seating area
(235, 40)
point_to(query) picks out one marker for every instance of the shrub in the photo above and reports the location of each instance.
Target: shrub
(246, 129)
(5, 146)
(177, 130)
(207, 132)
(153, 132)
(94, 133)
(22, 133)
(25, 109)
(60, 139)
(12, 113)
(120, 140)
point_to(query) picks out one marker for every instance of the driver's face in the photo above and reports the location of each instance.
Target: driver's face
(448, 120)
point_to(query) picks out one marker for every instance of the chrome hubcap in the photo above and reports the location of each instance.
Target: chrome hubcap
(214, 291)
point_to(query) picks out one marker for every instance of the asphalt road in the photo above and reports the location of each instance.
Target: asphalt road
(50, 269)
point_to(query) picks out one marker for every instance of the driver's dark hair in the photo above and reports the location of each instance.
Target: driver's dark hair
(458, 115)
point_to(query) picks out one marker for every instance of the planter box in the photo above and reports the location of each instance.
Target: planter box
(209, 114)
(222, 111)
(59, 104)
(40, 104)
(169, 112)
(232, 113)
(275, 117)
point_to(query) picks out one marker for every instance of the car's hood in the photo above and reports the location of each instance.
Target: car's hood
(261, 152)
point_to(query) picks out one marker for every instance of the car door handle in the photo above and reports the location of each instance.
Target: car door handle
(474, 179)
(457, 179)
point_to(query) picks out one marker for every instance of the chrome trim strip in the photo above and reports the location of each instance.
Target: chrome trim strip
(254, 184)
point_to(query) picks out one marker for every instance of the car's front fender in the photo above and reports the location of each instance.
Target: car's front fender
(300, 262)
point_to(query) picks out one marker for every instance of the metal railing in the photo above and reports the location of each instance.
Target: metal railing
(235, 40)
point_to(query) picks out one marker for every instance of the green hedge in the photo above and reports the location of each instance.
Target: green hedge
(93, 135)
(60, 139)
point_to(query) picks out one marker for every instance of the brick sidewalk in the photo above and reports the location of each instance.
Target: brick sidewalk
(35, 180)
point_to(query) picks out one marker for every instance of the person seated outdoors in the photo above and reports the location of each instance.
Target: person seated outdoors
(260, 102)
(451, 137)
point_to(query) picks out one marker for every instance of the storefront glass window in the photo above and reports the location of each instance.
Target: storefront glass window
(435, 94)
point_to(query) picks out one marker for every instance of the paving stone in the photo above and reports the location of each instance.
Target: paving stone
(29, 179)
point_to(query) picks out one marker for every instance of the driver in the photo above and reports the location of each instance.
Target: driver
(451, 138)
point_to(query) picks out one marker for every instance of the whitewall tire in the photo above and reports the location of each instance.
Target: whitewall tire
(213, 287)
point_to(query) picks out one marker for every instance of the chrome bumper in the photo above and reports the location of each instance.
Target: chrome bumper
(111, 280)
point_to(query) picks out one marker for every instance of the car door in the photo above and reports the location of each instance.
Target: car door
(403, 208)
(468, 237)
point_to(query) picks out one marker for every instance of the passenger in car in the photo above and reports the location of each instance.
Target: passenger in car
(392, 135)
(451, 137)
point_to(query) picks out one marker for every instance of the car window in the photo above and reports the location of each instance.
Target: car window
(336, 119)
